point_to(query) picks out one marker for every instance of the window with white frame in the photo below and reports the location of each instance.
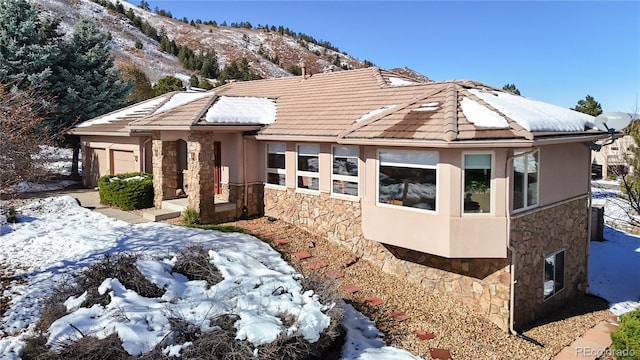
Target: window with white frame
(477, 183)
(276, 164)
(308, 170)
(553, 274)
(526, 171)
(344, 176)
(408, 179)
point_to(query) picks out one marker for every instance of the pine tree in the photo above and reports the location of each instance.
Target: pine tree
(193, 81)
(588, 105)
(29, 45)
(167, 84)
(89, 85)
(511, 88)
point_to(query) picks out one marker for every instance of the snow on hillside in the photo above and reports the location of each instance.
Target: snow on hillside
(228, 43)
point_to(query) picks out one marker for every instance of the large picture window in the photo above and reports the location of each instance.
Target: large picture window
(345, 170)
(308, 171)
(553, 274)
(477, 183)
(276, 164)
(526, 170)
(408, 179)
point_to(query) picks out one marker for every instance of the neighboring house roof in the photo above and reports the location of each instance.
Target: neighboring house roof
(366, 104)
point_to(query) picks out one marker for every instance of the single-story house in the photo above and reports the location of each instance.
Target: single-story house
(471, 192)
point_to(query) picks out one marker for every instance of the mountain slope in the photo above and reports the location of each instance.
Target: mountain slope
(256, 45)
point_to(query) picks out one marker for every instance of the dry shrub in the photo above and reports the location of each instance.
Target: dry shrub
(194, 263)
(220, 344)
(85, 348)
(120, 266)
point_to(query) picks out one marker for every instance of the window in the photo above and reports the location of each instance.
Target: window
(408, 179)
(276, 168)
(553, 274)
(345, 170)
(526, 170)
(477, 183)
(308, 167)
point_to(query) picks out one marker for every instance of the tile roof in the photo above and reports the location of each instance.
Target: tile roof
(372, 103)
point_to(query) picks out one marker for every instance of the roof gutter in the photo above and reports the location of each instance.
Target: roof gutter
(197, 127)
(507, 143)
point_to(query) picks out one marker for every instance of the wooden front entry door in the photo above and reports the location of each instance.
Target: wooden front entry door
(217, 169)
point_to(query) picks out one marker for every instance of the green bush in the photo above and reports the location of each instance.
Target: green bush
(127, 191)
(190, 217)
(626, 341)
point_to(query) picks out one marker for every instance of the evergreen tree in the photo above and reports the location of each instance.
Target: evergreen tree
(88, 85)
(511, 89)
(588, 105)
(29, 45)
(193, 81)
(167, 84)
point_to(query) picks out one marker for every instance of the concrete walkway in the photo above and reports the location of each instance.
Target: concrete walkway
(88, 198)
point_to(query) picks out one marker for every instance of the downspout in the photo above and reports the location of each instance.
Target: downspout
(144, 155)
(512, 266)
(245, 210)
(589, 215)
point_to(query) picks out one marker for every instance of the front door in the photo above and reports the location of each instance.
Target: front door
(217, 171)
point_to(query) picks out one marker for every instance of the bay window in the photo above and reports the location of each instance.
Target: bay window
(526, 171)
(408, 179)
(477, 183)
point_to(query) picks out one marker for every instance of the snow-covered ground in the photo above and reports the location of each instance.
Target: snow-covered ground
(58, 162)
(57, 237)
(614, 264)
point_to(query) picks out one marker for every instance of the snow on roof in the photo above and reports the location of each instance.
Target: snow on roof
(135, 110)
(482, 116)
(375, 112)
(242, 110)
(535, 115)
(181, 98)
(396, 81)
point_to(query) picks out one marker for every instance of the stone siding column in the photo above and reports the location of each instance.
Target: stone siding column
(200, 174)
(165, 181)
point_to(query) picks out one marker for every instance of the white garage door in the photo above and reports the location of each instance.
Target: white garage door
(123, 162)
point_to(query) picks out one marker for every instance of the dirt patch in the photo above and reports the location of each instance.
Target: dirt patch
(458, 329)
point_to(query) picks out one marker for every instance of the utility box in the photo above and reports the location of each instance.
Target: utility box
(597, 223)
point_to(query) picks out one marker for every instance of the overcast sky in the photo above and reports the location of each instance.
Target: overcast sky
(553, 51)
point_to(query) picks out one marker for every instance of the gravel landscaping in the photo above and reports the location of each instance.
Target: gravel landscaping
(466, 334)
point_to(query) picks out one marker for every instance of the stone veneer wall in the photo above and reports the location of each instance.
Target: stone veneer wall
(481, 284)
(255, 202)
(538, 234)
(198, 180)
(165, 179)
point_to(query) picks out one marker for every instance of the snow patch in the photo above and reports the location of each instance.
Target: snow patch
(143, 108)
(242, 110)
(535, 115)
(375, 112)
(396, 81)
(481, 116)
(180, 99)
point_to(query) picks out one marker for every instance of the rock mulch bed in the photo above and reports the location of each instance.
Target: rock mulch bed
(426, 324)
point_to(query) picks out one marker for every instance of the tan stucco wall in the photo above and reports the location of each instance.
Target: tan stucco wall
(445, 232)
(565, 172)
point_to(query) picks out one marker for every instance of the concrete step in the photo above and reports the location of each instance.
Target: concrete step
(176, 204)
(160, 214)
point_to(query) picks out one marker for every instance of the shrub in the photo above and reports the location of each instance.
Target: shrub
(190, 217)
(12, 215)
(127, 191)
(626, 341)
(194, 263)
